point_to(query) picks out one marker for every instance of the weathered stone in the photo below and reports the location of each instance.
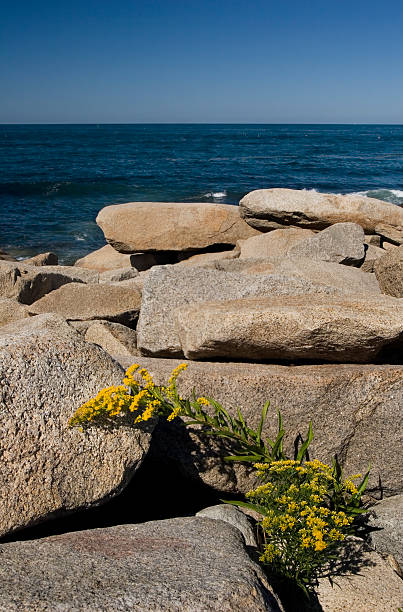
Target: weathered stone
(388, 246)
(202, 258)
(330, 328)
(191, 564)
(389, 272)
(373, 239)
(114, 338)
(344, 279)
(29, 283)
(273, 244)
(79, 302)
(341, 243)
(43, 259)
(103, 259)
(233, 516)
(118, 275)
(167, 287)
(11, 310)
(341, 401)
(387, 519)
(366, 583)
(47, 371)
(372, 253)
(267, 209)
(170, 226)
(391, 233)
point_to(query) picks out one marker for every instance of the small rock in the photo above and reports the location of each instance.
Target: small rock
(341, 243)
(389, 272)
(28, 283)
(11, 310)
(43, 259)
(387, 517)
(390, 233)
(79, 302)
(273, 244)
(372, 253)
(373, 239)
(103, 259)
(233, 516)
(118, 275)
(114, 338)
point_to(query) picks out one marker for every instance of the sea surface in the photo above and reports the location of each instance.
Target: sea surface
(55, 178)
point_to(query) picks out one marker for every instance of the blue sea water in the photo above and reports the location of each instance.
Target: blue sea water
(55, 178)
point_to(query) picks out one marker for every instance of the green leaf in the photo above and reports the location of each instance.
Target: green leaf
(305, 445)
(249, 458)
(261, 423)
(260, 509)
(363, 484)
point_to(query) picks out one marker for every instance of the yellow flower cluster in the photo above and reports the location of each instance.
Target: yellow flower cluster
(297, 519)
(136, 395)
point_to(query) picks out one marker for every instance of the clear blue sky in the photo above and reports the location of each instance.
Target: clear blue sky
(252, 61)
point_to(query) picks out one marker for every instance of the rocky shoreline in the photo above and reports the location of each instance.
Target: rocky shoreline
(293, 296)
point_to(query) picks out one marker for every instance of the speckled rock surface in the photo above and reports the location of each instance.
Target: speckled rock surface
(11, 310)
(168, 287)
(351, 407)
(47, 371)
(341, 243)
(171, 226)
(114, 338)
(348, 329)
(273, 208)
(178, 565)
(387, 516)
(28, 283)
(373, 587)
(80, 302)
(233, 516)
(272, 244)
(389, 272)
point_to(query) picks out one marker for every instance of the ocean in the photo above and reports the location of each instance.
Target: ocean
(55, 178)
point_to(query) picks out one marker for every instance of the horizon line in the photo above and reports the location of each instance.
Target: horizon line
(194, 123)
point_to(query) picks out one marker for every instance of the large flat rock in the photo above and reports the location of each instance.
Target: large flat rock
(341, 401)
(179, 565)
(79, 302)
(168, 287)
(171, 226)
(267, 209)
(344, 279)
(47, 371)
(350, 329)
(28, 283)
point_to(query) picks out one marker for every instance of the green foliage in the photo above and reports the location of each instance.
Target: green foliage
(307, 507)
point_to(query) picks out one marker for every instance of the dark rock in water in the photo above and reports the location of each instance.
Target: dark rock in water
(185, 564)
(6, 256)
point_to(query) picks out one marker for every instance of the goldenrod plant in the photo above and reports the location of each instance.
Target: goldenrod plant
(307, 508)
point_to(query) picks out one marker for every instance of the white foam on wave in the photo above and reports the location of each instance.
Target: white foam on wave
(397, 192)
(215, 194)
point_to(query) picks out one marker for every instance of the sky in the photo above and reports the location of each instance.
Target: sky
(201, 61)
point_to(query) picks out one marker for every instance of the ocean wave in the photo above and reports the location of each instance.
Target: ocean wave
(394, 196)
(217, 195)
